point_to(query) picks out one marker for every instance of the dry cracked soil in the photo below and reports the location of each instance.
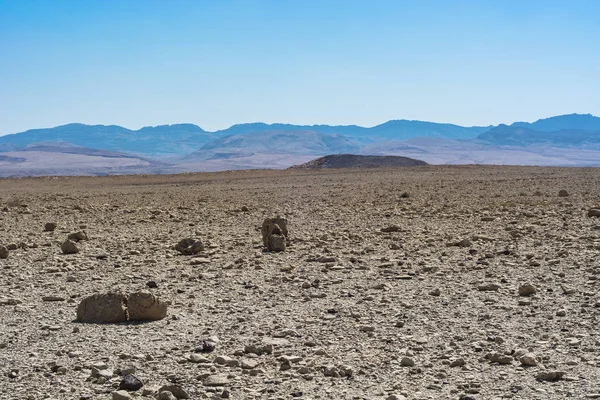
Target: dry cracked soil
(410, 283)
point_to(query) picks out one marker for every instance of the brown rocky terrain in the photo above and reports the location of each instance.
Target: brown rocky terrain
(359, 161)
(431, 282)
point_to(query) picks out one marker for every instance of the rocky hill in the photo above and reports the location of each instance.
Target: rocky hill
(358, 161)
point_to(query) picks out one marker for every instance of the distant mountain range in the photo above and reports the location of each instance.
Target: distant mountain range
(572, 139)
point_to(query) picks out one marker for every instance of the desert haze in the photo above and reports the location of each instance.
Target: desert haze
(429, 282)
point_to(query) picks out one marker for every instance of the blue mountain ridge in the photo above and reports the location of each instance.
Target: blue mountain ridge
(189, 139)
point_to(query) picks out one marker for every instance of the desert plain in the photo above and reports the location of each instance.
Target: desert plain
(433, 282)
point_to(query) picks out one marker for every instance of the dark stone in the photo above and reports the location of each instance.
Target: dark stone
(131, 383)
(151, 284)
(206, 346)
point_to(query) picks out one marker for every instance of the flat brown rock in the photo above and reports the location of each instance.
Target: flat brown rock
(103, 307)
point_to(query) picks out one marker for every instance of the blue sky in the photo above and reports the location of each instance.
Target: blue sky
(216, 63)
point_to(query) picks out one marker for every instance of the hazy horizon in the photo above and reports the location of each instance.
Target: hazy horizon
(216, 64)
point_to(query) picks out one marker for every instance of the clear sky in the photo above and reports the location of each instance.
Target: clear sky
(220, 62)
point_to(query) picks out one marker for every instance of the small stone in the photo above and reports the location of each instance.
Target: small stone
(435, 292)
(225, 360)
(528, 359)
(151, 284)
(527, 289)
(459, 362)
(594, 212)
(550, 376)
(561, 313)
(189, 246)
(121, 395)
(101, 373)
(391, 228)
(176, 391)
(216, 380)
(206, 346)
(488, 287)
(249, 364)
(258, 349)
(499, 358)
(69, 247)
(78, 236)
(50, 227)
(331, 371)
(407, 362)
(563, 193)
(166, 395)
(3, 252)
(131, 383)
(53, 298)
(395, 397)
(464, 243)
(198, 359)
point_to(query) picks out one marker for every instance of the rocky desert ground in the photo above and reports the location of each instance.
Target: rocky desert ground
(431, 282)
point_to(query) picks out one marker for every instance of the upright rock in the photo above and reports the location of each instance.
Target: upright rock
(3, 252)
(274, 233)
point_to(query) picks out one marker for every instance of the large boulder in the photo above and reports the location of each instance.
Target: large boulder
(189, 246)
(144, 306)
(113, 307)
(103, 307)
(274, 233)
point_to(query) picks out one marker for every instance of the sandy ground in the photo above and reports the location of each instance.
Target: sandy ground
(397, 283)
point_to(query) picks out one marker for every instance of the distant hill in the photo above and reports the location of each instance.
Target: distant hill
(394, 129)
(69, 148)
(580, 122)
(161, 140)
(282, 142)
(358, 161)
(522, 136)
